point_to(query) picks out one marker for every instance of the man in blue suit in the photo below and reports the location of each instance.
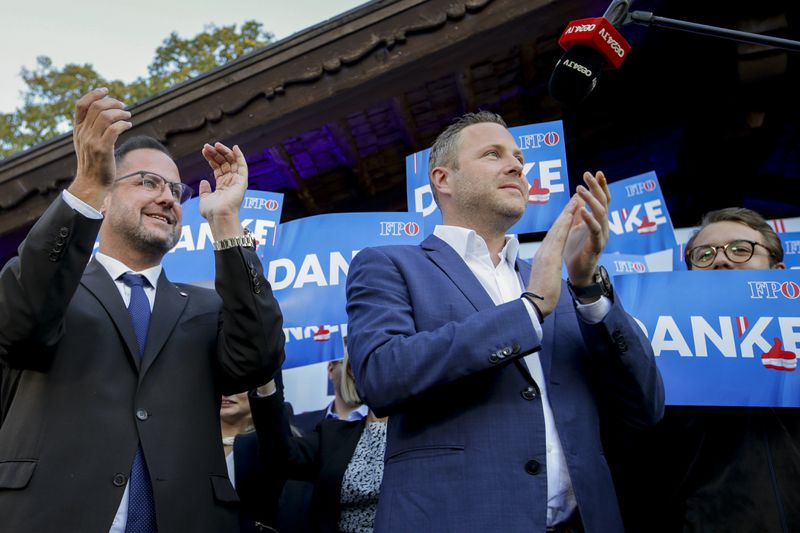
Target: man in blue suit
(495, 373)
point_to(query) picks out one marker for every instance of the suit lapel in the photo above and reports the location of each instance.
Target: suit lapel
(545, 354)
(98, 282)
(454, 267)
(170, 303)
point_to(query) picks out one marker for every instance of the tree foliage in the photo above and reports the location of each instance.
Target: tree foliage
(51, 92)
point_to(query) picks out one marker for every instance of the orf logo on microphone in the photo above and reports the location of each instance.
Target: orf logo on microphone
(399, 229)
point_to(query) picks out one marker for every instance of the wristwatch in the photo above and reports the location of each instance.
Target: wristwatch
(600, 286)
(247, 240)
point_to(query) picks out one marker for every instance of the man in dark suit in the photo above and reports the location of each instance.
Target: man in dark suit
(113, 421)
(494, 373)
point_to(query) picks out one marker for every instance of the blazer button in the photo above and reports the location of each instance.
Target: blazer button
(506, 351)
(529, 393)
(119, 479)
(142, 414)
(494, 358)
(64, 231)
(532, 467)
(515, 349)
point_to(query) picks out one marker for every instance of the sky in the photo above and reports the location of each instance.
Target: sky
(120, 38)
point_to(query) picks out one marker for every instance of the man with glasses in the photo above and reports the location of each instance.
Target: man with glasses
(111, 417)
(720, 468)
(734, 238)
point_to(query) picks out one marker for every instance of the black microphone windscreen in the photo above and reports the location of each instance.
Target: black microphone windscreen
(575, 75)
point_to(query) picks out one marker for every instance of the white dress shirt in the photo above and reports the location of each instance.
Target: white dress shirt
(356, 414)
(503, 284)
(116, 269)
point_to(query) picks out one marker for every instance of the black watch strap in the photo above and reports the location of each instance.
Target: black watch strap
(600, 287)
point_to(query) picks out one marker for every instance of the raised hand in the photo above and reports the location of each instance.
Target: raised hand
(545, 278)
(589, 232)
(221, 207)
(99, 121)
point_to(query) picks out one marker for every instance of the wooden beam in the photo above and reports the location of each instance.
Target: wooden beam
(303, 190)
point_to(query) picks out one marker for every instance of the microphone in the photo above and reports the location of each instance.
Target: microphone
(591, 44)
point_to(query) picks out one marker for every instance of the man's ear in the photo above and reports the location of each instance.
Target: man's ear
(104, 206)
(440, 180)
(779, 266)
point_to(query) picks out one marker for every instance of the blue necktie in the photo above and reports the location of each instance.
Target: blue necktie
(141, 505)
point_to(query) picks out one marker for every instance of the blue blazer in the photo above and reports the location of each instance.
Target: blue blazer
(466, 444)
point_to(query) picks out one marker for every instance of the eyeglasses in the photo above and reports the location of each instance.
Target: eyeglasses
(152, 182)
(738, 251)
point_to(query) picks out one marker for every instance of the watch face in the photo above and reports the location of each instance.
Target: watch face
(604, 280)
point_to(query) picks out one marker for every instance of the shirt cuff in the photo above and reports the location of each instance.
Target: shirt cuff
(594, 312)
(80, 206)
(537, 327)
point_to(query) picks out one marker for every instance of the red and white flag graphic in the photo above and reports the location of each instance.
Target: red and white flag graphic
(647, 227)
(742, 324)
(779, 359)
(322, 334)
(538, 194)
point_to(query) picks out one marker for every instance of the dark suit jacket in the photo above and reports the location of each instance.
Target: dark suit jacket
(709, 469)
(294, 513)
(466, 444)
(257, 488)
(321, 456)
(307, 421)
(83, 400)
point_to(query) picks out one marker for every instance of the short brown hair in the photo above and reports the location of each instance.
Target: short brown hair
(749, 218)
(444, 152)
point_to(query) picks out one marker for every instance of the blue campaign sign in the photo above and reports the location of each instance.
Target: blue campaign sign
(791, 249)
(308, 272)
(545, 167)
(621, 264)
(726, 338)
(192, 259)
(638, 219)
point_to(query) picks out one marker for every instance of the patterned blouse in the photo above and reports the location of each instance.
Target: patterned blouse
(362, 481)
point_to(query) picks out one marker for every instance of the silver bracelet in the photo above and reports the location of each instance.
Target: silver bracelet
(247, 240)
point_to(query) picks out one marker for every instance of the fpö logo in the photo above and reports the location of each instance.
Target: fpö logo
(626, 266)
(268, 204)
(539, 139)
(641, 187)
(772, 290)
(399, 229)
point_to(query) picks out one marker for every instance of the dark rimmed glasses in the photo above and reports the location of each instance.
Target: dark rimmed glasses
(738, 251)
(152, 182)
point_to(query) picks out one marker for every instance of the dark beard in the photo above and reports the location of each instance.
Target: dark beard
(147, 244)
